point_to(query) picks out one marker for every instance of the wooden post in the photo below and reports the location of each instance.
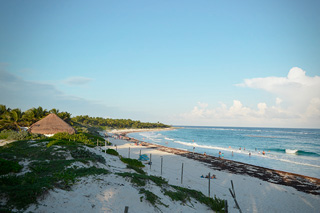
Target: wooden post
(182, 174)
(116, 148)
(97, 142)
(233, 194)
(126, 209)
(140, 153)
(129, 153)
(209, 185)
(150, 162)
(225, 206)
(105, 146)
(161, 164)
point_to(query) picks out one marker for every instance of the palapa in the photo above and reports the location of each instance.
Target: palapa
(51, 124)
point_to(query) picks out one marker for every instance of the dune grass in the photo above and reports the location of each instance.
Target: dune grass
(47, 169)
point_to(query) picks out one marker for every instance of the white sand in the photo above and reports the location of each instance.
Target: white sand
(111, 193)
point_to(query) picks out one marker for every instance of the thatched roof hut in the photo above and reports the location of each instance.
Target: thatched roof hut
(51, 125)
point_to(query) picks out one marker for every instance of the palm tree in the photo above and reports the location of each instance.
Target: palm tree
(10, 119)
(54, 111)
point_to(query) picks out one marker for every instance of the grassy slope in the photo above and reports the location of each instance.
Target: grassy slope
(48, 164)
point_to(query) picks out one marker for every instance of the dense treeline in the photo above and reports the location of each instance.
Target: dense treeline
(15, 118)
(115, 123)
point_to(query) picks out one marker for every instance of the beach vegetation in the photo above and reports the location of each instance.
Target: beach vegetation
(19, 135)
(112, 152)
(140, 179)
(183, 194)
(151, 197)
(137, 169)
(132, 162)
(47, 168)
(8, 166)
(85, 138)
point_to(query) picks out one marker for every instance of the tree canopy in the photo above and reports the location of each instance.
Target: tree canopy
(15, 118)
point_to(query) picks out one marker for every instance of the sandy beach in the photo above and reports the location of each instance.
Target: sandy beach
(111, 193)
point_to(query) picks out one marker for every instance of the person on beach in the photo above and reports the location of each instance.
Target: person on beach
(219, 154)
(240, 148)
(263, 152)
(249, 154)
(204, 154)
(222, 155)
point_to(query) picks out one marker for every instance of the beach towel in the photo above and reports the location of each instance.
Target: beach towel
(143, 157)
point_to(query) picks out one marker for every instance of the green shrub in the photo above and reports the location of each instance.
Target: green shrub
(14, 135)
(151, 197)
(132, 162)
(9, 166)
(60, 143)
(85, 138)
(112, 152)
(81, 153)
(178, 196)
(19, 135)
(140, 179)
(183, 195)
(5, 133)
(137, 169)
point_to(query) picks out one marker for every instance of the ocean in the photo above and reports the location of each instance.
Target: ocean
(290, 150)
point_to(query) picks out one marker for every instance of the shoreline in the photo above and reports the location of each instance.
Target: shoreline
(302, 183)
(128, 131)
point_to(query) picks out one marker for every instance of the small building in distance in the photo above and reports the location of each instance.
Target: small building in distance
(51, 125)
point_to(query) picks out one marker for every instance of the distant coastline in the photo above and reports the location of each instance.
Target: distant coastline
(127, 131)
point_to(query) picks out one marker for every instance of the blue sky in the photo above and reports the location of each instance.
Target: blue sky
(221, 63)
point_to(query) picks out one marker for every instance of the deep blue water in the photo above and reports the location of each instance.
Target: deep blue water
(291, 150)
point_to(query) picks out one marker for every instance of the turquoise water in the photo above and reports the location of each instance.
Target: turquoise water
(290, 150)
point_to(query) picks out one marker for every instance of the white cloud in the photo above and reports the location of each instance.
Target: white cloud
(297, 104)
(77, 80)
(296, 90)
(278, 101)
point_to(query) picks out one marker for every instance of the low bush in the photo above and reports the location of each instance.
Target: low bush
(19, 135)
(82, 137)
(184, 194)
(140, 179)
(60, 142)
(82, 153)
(137, 169)
(151, 197)
(14, 135)
(112, 152)
(9, 166)
(132, 162)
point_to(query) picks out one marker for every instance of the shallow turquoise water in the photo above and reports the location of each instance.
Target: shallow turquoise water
(291, 150)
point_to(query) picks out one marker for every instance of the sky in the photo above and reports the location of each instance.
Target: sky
(209, 62)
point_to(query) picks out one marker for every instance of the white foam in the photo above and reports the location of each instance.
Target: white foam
(169, 139)
(291, 151)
